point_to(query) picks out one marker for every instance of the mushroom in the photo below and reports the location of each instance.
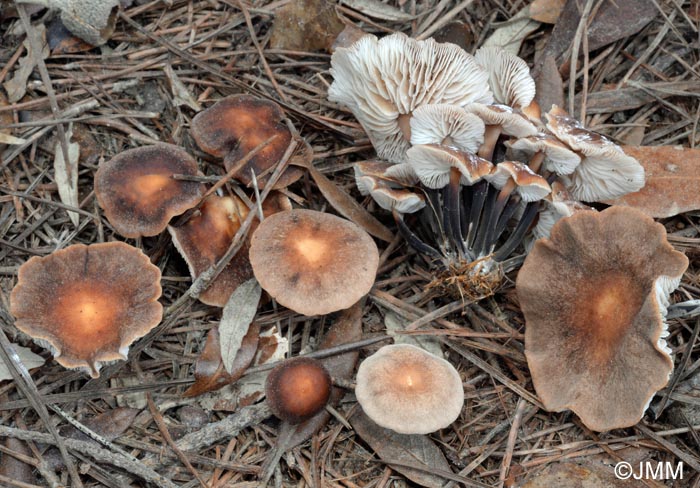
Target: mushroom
(312, 262)
(206, 236)
(605, 172)
(138, 193)
(384, 81)
(509, 77)
(236, 125)
(594, 296)
(391, 199)
(500, 120)
(547, 152)
(447, 125)
(88, 303)
(297, 389)
(406, 389)
(558, 204)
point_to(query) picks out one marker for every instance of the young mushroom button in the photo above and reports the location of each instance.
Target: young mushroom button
(312, 262)
(298, 389)
(88, 303)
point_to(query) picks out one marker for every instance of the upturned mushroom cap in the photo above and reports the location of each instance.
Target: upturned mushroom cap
(206, 236)
(558, 204)
(137, 192)
(89, 303)
(401, 200)
(605, 172)
(406, 389)
(383, 171)
(432, 164)
(447, 125)
(529, 185)
(594, 296)
(512, 121)
(298, 389)
(236, 125)
(312, 262)
(384, 81)
(558, 158)
(509, 76)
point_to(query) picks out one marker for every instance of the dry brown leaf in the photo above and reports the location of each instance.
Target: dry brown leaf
(236, 318)
(550, 87)
(66, 175)
(511, 34)
(305, 25)
(458, 33)
(16, 87)
(181, 95)
(13, 468)
(209, 371)
(414, 450)
(62, 41)
(546, 11)
(672, 180)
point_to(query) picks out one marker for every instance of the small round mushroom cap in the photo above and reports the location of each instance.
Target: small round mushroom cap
(558, 158)
(384, 81)
(206, 236)
(312, 262)
(512, 121)
(432, 164)
(594, 296)
(89, 303)
(408, 390)
(529, 185)
(137, 192)
(447, 125)
(298, 389)
(236, 125)
(605, 172)
(509, 76)
(401, 200)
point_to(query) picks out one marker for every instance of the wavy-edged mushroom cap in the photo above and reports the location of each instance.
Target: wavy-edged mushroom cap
(138, 193)
(529, 185)
(384, 81)
(408, 390)
(512, 122)
(298, 389)
(605, 172)
(312, 262)
(236, 125)
(432, 164)
(509, 76)
(594, 296)
(401, 200)
(447, 125)
(206, 236)
(89, 303)
(557, 157)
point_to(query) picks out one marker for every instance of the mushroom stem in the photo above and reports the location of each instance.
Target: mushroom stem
(452, 215)
(480, 191)
(413, 240)
(506, 215)
(404, 122)
(536, 162)
(487, 218)
(491, 135)
(520, 230)
(464, 214)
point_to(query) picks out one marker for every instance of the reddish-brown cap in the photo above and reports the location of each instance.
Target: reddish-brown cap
(594, 296)
(89, 303)
(236, 125)
(312, 262)
(406, 389)
(137, 192)
(298, 389)
(206, 236)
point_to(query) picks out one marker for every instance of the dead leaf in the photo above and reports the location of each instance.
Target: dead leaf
(378, 10)
(62, 41)
(181, 94)
(13, 468)
(672, 180)
(546, 11)
(578, 475)
(345, 204)
(405, 450)
(550, 87)
(347, 328)
(348, 36)
(66, 175)
(305, 25)
(511, 35)
(635, 135)
(272, 347)
(28, 358)
(457, 33)
(237, 316)
(16, 87)
(209, 371)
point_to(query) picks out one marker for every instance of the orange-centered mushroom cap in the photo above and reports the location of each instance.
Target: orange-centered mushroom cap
(138, 193)
(298, 389)
(312, 262)
(406, 389)
(236, 125)
(89, 303)
(594, 296)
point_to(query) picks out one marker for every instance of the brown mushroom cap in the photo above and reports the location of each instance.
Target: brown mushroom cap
(89, 303)
(594, 296)
(137, 192)
(406, 389)
(298, 389)
(312, 262)
(236, 125)
(206, 236)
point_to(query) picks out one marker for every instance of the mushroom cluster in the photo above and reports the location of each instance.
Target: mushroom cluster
(468, 163)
